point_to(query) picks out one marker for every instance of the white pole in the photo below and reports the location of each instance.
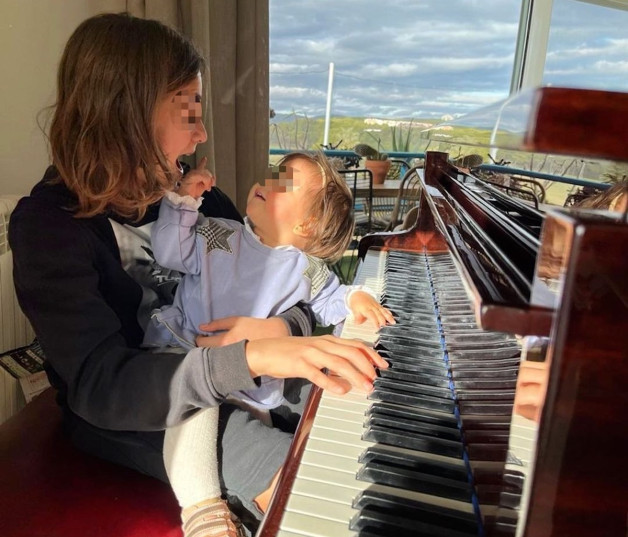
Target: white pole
(330, 86)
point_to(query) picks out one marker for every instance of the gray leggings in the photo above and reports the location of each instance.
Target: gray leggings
(249, 452)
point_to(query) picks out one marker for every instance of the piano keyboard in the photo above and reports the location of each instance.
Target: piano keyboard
(399, 461)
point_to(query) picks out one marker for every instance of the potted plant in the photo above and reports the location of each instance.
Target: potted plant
(376, 161)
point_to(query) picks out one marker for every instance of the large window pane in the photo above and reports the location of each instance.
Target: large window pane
(394, 60)
(587, 47)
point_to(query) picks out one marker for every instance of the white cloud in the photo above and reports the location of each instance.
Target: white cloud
(296, 92)
(293, 68)
(428, 58)
(394, 69)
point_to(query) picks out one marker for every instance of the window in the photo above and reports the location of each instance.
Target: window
(393, 60)
(587, 46)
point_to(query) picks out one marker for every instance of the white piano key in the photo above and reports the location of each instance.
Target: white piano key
(318, 490)
(314, 526)
(319, 507)
(338, 424)
(339, 437)
(327, 460)
(285, 533)
(345, 405)
(349, 451)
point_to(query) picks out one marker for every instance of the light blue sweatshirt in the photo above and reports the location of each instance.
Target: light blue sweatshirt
(229, 272)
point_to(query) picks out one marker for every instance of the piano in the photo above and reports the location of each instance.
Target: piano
(502, 413)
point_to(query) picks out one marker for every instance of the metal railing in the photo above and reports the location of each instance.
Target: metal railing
(409, 156)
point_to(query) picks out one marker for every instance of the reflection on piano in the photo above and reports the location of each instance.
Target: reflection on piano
(502, 411)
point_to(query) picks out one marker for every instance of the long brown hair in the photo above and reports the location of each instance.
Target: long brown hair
(114, 70)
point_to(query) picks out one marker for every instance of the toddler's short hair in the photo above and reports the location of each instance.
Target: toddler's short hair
(330, 212)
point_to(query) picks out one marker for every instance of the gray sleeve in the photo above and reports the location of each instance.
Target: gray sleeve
(300, 320)
(206, 377)
(152, 391)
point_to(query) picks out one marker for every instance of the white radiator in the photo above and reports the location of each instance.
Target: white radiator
(15, 330)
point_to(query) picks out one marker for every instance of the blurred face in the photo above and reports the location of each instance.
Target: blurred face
(277, 209)
(178, 121)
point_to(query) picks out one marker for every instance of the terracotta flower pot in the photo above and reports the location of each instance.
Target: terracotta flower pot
(379, 169)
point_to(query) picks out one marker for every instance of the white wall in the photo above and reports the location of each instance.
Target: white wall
(32, 36)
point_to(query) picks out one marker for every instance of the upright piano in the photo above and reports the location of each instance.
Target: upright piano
(503, 410)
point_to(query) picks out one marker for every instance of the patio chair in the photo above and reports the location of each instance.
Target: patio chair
(382, 207)
(408, 197)
(360, 182)
(398, 168)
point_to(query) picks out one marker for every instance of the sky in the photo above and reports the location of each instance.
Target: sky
(429, 58)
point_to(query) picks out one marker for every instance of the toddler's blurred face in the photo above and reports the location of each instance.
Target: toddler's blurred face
(277, 207)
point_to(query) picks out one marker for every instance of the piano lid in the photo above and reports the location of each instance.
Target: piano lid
(562, 121)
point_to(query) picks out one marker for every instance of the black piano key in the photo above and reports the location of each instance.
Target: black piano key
(511, 479)
(486, 408)
(454, 322)
(416, 461)
(461, 372)
(404, 478)
(412, 331)
(415, 401)
(411, 399)
(418, 442)
(510, 498)
(487, 338)
(434, 375)
(410, 425)
(504, 493)
(440, 419)
(483, 353)
(487, 452)
(485, 395)
(412, 508)
(394, 382)
(413, 355)
(503, 527)
(474, 363)
(487, 437)
(381, 522)
(483, 384)
(407, 343)
(432, 359)
(486, 423)
(439, 385)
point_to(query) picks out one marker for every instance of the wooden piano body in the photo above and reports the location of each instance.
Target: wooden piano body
(561, 280)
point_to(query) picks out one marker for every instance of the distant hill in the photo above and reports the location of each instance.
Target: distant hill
(299, 132)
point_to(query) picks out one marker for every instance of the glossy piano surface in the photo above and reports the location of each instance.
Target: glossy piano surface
(554, 120)
(494, 241)
(580, 482)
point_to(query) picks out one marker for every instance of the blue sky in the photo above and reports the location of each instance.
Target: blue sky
(429, 58)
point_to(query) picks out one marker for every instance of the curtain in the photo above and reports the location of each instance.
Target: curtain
(233, 36)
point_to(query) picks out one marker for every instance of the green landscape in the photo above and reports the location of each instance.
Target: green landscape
(298, 132)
